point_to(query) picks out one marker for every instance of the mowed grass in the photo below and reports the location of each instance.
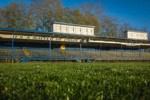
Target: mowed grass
(74, 81)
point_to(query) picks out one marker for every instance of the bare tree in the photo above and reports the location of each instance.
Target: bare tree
(47, 11)
(13, 15)
(91, 13)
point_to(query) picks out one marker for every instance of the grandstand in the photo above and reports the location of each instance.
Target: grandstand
(23, 46)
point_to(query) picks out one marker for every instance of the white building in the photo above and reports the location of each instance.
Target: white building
(136, 35)
(68, 28)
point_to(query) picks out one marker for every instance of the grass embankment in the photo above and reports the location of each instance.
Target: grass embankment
(75, 81)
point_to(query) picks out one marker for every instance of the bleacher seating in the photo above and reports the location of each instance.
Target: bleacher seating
(6, 54)
(26, 54)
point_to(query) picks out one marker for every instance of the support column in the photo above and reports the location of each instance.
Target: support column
(121, 51)
(12, 48)
(50, 50)
(80, 50)
(139, 51)
(101, 51)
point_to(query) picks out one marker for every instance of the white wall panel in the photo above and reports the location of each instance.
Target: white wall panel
(84, 31)
(70, 29)
(73, 29)
(137, 35)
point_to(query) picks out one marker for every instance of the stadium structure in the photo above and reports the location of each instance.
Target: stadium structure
(71, 42)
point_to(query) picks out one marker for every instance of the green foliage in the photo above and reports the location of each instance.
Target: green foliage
(41, 13)
(75, 81)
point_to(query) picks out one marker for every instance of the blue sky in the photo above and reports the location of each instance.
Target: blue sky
(136, 12)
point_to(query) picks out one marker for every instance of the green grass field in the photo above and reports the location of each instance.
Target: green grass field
(73, 81)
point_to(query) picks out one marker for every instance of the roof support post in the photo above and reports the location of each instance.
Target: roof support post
(12, 48)
(50, 50)
(121, 51)
(139, 51)
(80, 50)
(100, 50)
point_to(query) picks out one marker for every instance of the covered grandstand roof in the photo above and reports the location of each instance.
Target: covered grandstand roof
(60, 35)
(23, 31)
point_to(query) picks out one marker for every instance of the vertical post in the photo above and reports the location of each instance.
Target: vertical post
(107, 49)
(139, 51)
(12, 48)
(50, 50)
(121, 51)
(100, 50)
(89, 51)
(80, 50)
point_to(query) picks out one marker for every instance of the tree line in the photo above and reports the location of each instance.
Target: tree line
(41, 13)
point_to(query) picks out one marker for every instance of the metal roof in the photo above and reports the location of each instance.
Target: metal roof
(68, 35)
(23, 30)
(41, 33)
